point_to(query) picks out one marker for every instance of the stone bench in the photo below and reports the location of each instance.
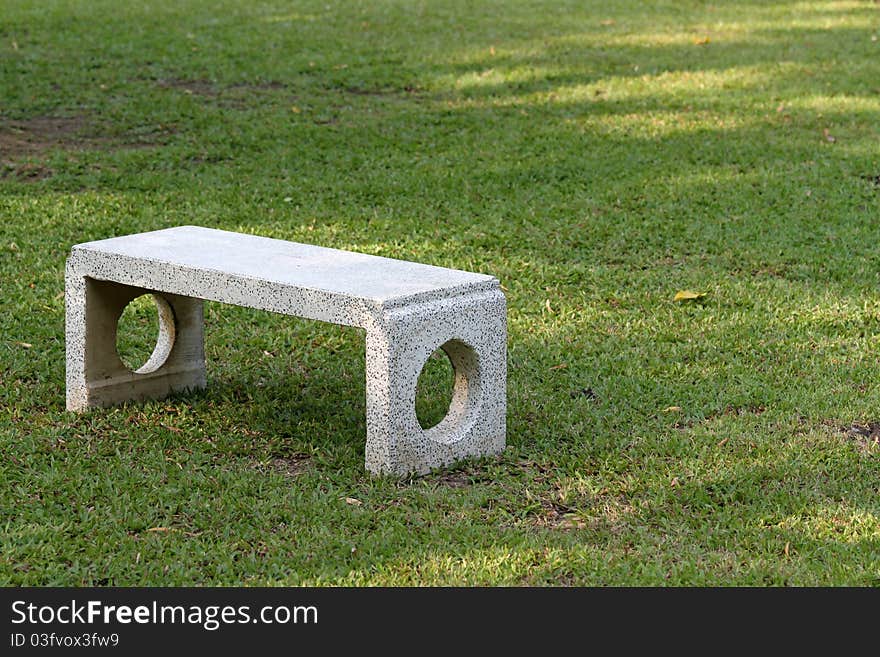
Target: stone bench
(407, 309)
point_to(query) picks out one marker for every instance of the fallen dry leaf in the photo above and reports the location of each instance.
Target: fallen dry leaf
(722, 443)
(672, 409)
(688, 295)
(561, 366)
(353, 501)
(26, 345)
(159, 529)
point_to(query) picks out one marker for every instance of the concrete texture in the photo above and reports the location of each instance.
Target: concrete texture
(407, 309)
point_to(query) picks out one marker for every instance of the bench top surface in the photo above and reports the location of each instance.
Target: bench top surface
(287, 263)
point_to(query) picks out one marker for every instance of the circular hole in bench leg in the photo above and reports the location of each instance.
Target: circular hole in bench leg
(434, 389)
(145, 333)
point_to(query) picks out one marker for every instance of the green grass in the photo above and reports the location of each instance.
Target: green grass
(597, 157)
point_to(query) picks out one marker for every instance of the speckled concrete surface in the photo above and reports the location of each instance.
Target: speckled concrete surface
(407, 309)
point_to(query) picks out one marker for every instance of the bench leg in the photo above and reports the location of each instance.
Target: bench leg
(472, 330)
(95, 374)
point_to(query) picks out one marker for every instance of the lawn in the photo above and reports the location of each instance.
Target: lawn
(597, 157)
